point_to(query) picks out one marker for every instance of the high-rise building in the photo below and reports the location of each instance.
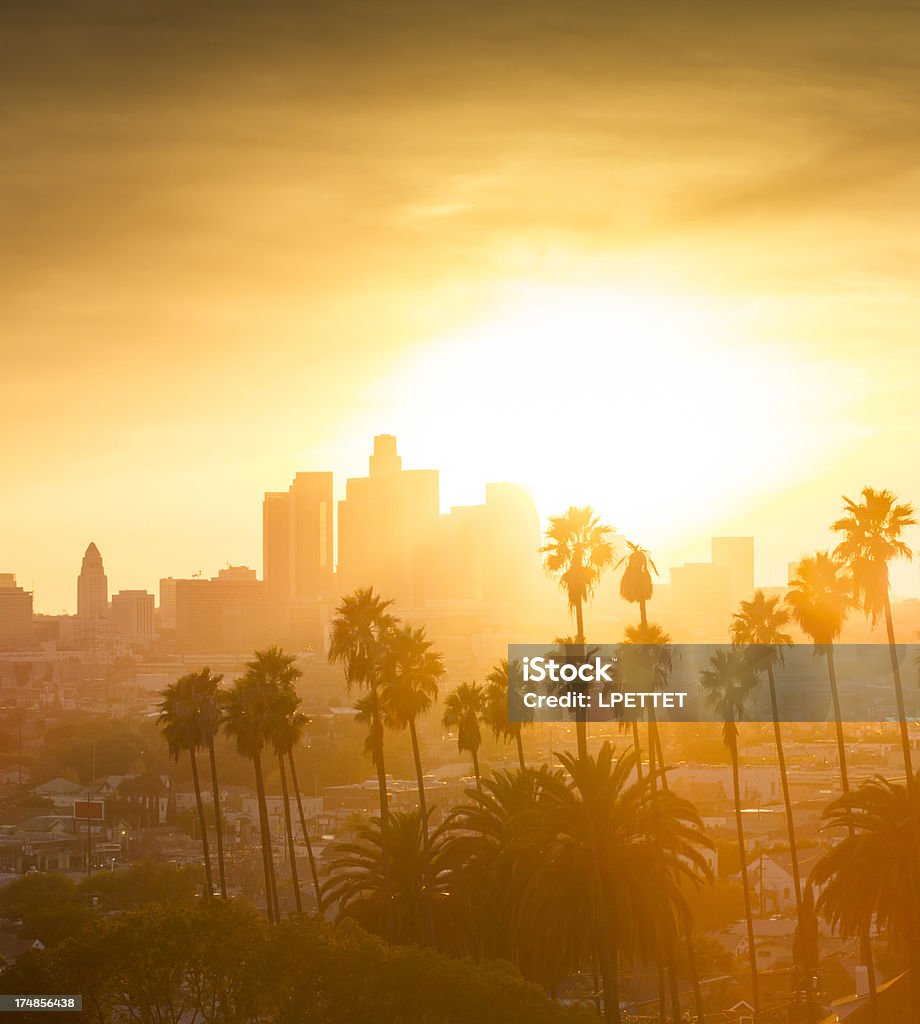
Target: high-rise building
(297, 537)
(490, 552)
(132, 616)
(167, 603)
(388, 528)
(736, 556)
(15, 614)
(92, 587)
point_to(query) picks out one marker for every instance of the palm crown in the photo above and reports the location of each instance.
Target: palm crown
(820, 595)
(577, 550)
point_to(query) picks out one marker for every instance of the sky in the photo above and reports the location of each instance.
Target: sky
(659, 258)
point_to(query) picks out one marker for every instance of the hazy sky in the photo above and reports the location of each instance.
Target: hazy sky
(661, 257)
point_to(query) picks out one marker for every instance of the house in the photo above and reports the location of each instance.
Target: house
(11, 946)
(61, 792)
(14, 775)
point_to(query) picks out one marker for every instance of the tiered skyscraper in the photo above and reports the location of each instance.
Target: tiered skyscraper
(92, 587)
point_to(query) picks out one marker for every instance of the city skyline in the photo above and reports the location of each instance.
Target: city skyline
(319, 571)
(217, 293)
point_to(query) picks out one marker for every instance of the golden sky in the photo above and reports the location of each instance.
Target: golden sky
(660, 257)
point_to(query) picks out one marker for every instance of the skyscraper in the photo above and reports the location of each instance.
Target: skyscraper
(388, 527)
(132, 616)
(92, 587)
(297, 539)
(736, 556)
(15, 614)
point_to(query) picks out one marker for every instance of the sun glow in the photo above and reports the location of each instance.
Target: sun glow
(654, 408)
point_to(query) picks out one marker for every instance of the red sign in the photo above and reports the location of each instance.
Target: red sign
(89, 810)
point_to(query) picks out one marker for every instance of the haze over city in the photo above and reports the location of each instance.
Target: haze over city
(234, 253)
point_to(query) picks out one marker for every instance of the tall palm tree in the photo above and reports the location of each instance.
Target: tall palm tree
(180, 718)
(501, 682)
(295, 726)
(358, 640)
(636, 581)
(874, 874)
(412, 670)
(247, 717)
(463, 708)
(872, 536)
(278, 673)
(646, 661)
(820, 596)
(578, 551)
(208, 686)
(728, 686)
(761, 623)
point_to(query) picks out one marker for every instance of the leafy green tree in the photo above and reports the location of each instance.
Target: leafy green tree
(578, 551)
(48, 905)
(463, 709)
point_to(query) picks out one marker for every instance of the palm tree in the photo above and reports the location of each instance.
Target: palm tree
(636, 581)
(384, 893)
(646, 660)
(501, 682)
(463, 709)
(181, 720)
(412, 670)
(358, 639)
(590, 840)
(872, 537)
(820, 596)
(874, 874)
(278, 673)
(208, 686)
(728, 686)
(760, 622)
(247, 718)
(578, 552)
(295, 725)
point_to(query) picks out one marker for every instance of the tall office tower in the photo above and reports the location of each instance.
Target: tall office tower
(132, 616)
(490, 552)
(388, 528)
(92, 587)
(736, 556)
(15, 614)
(297, 539)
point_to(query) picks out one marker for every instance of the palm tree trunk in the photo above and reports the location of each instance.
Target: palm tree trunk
(475, 754)
(306, 836)
(899, 694)
(202, 823)
(218, 819)
(383, 797)
(295, 880)
(426, 838)
(694, 971)
(865, 945)
(581, 721)
(668, 941)
(637, 745)
(520, 750)
(790, 826)
(607, 953)
(745, 881)
(271, 894)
